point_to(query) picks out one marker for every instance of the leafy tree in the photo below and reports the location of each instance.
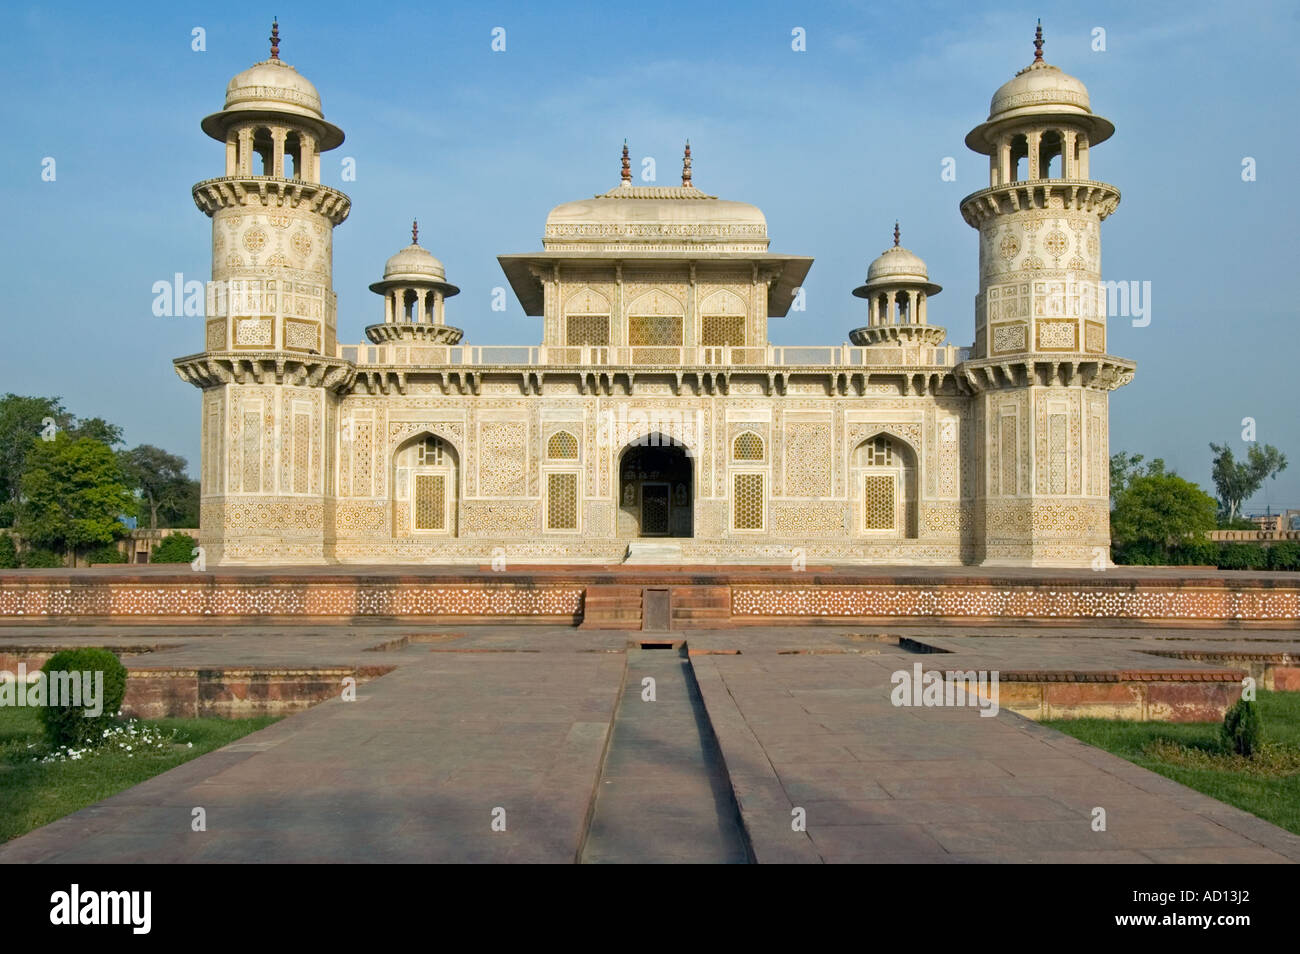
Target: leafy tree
(1161, 511)
(8, 552)
(22, 420)
(73, 492)
(1236, 481)
(159, 477)
(97, 429)
(1125, 466)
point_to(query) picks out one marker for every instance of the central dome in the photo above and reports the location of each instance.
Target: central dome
(655, 218)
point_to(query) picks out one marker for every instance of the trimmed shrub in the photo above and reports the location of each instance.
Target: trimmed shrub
(1243, 556)
(8, 552)
(1196, 553)
(106, 555)
(42, 559)
(1284, 556)
(174, 548)
(70, 725)
(1241, 728)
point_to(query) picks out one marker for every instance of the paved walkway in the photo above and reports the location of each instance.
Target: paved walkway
(519, 717)
(663, 795)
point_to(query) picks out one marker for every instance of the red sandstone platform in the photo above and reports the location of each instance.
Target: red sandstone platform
(654, 597)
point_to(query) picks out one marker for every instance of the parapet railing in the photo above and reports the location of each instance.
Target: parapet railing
(725, 356)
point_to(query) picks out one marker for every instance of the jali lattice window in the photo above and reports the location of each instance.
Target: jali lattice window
(878, 502)
(650, 331)
(562, 501)
(587, 331)
(562, 446)
(748, 446)
(430, 502)
(430, 453)
(719, 330)
(747, 501)
(880, 452)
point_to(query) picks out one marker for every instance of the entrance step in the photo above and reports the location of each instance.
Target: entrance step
(653, 551)
(697, 606)
(611, 606)
(664, 795)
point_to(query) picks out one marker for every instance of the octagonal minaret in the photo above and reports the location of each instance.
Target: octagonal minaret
(268, 368)
(1039, 368)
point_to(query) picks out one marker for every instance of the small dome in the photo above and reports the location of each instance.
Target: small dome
(1038, 90)
(273, 85)
(273, 89)
(897, 263)
(416, 264)
(1040, 87)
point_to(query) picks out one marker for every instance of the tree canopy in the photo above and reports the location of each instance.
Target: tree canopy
(73, 492)
(1236, 481)
(1161, 510)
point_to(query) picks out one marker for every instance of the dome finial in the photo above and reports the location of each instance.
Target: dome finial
(686, 167)
(1038, 42)
(897, 236)
(415, 232)
(275, 38)
(627, 166)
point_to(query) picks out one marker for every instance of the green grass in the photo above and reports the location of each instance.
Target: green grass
(1193, 754)
(34, 794)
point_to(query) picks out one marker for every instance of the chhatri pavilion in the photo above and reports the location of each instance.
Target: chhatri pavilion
(654, 421)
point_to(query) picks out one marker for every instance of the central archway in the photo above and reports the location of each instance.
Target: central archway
(656, 489)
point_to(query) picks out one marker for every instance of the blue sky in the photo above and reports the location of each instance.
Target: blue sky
(833, 144)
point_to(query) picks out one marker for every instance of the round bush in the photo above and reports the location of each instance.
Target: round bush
(108, 554)
(174, 548)
(8, 552)
(70, 725)
(1241, 728)
(42, 559)
(1284, 556)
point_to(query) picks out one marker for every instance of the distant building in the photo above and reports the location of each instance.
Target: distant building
(655, 419)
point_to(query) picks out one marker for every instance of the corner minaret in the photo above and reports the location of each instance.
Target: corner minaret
(1039, 367)
(268, 368)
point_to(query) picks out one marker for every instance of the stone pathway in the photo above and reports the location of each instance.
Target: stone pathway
(880, 783)
(663, 795)
(519, 718)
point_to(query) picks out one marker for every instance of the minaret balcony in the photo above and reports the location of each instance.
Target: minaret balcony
(239, 191)
(1081, 195)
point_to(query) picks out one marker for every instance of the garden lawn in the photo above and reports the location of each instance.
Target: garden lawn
(1268, 787)
(33, 794)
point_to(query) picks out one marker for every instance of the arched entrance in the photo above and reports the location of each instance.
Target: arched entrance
(884, 470)
(656, 489)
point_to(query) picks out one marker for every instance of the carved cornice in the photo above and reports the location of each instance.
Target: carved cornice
(238, 191)
(1078, 195)
(898, 335)
(411, 333)
(1097, 372)
(215, 368)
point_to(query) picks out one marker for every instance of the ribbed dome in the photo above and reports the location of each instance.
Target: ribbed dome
(416, 264)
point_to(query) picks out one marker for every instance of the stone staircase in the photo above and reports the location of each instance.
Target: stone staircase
(611, 606)
(701, 607)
